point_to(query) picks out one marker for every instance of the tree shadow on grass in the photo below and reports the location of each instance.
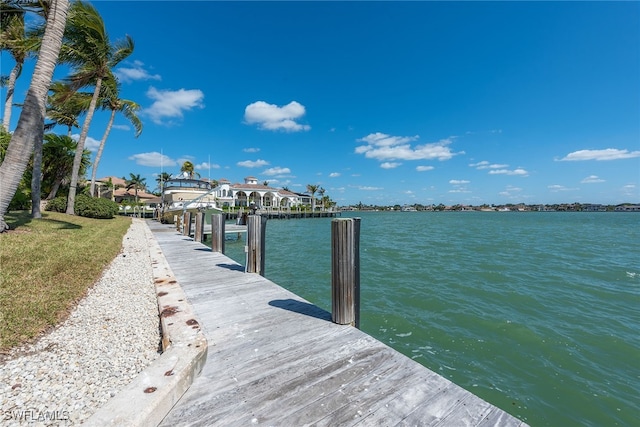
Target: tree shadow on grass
(20, 219)
(17, 219)
(64, 225)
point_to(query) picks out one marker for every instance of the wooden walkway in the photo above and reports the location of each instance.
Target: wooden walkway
(275, 359)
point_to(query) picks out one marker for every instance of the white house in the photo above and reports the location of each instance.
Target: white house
(244, 194)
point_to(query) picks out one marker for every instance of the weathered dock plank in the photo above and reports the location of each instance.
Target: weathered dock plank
(276, 359)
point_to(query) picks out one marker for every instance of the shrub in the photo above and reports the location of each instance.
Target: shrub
(59, 204)
(167, 218)
(98, 207)
(20, 201)
(86, 206)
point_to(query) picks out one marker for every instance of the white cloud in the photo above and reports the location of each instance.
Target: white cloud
(424, 168)
(334, 174)
(389, 165)
(511, 191)
(253, 164)
(206, 165)
(172, 103)
(556, 188)
(90, 144)
(606, 154)
(276, 171)
(185, 158)
(153, 159)
(517, 172)
(135, 72)
(272, 117)
(383, 147)
(383, 140)
(458, 181)
(251, 150)
(366, 188)
(592, 179)
(486, 165)
(121, 127)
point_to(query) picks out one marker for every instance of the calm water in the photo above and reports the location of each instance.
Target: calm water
(538, 313)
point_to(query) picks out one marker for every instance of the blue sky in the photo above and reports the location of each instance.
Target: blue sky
(384, 102)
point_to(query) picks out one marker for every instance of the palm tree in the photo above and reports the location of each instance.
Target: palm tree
(111, 102)
(312, 190)
(327, 202)
(321, 192)
(30, 126)
(58, 152)
(87, 48)
(20, 46)
(161, 179)
(136, 182)
(65, 106)
(76, 104)
(189, 169)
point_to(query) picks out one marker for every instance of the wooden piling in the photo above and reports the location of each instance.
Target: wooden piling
(198, 233)
(256, 226)
(186, 228)
(345, 271)
(176, 221)
(217, 233)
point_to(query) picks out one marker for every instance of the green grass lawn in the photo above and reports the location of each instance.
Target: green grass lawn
(46, 267)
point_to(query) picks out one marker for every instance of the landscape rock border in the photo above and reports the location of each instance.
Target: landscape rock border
(151, 395)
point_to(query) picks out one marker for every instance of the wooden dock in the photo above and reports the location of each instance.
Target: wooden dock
(275, 359)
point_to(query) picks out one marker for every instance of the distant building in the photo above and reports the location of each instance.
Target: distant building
(248, 192)
(628, 208)
(594, 208)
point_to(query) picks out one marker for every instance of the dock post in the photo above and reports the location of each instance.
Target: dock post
(256, 226)
(217, 233)
(198, 233)
(176, 221)
(345, 271)
(186, 227)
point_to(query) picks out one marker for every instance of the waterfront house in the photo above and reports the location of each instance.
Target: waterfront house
(251, 192)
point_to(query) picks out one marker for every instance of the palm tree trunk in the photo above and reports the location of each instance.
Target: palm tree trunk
(31, 122)
(99, 154)
(8, 103)
(54, 189)
(77, 160)
(36, 179)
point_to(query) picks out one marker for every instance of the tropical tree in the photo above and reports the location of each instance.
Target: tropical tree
(312, 190)
(136, 182)
(321, 192)
(87, 48)
(5, 138)
(189, 169)
(327, 202)
(65, 106)
(19, 44)
(161, 179)
(58, 152)
(111, 101)
(30, 126)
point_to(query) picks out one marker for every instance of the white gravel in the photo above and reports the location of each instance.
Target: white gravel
(111, 336)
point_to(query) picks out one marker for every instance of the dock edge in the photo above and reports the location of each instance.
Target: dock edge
(154, 391)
